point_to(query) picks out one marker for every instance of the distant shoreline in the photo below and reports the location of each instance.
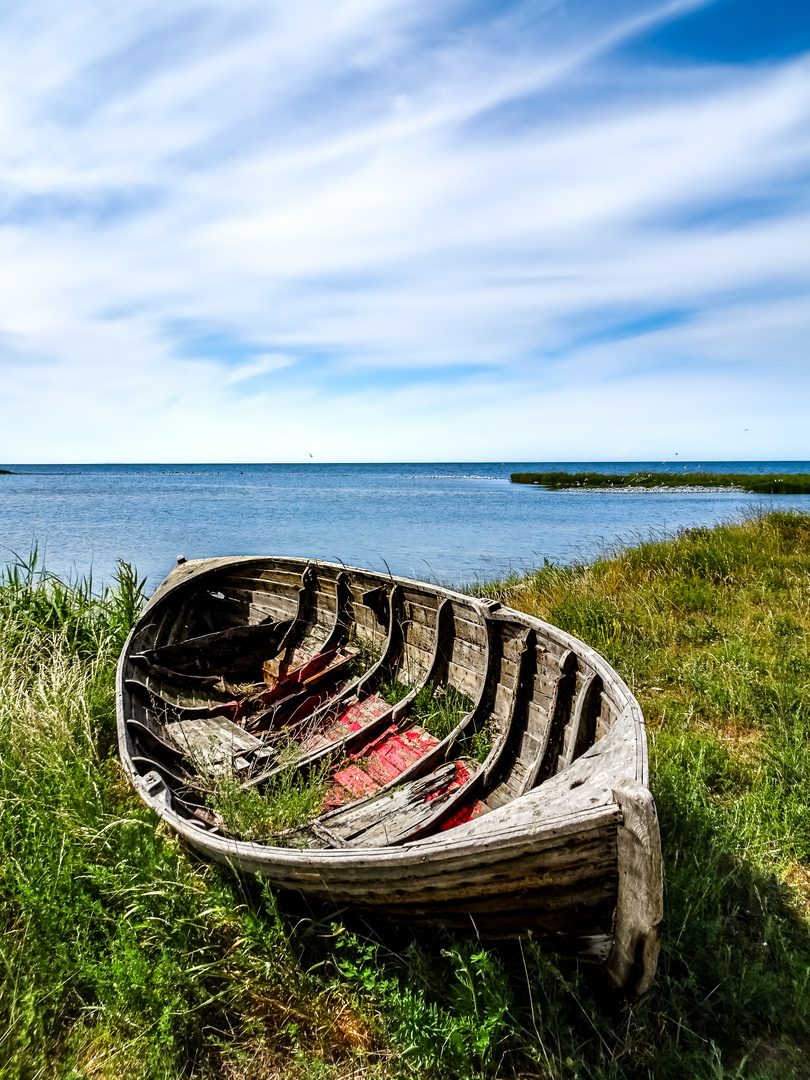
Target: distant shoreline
(649, 482)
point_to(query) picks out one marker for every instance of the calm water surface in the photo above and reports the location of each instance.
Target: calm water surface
(456, 523)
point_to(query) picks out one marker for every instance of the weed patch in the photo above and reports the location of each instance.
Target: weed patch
(439, 710)
(287, 800)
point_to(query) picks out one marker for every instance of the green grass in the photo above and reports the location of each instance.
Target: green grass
(289, 799)
(124, 955)
(439, 710)
(767, 484)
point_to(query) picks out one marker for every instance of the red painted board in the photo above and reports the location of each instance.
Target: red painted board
(379, 763)
(466, 813)
(397, 752)
(354, 717)
(349, 784)
(313, 666)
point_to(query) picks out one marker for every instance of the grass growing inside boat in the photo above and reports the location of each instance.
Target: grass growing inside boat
(367, 655)
(439, 710)
(123, 955)
(287, 800)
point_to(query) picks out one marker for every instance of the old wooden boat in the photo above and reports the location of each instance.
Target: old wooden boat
(528, 811)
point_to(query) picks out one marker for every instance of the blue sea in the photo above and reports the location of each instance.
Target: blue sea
(456, 523)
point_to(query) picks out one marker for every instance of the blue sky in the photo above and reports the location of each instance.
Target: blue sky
(389, 230)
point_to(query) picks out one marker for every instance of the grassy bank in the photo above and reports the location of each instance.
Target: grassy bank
(123, 955)
(766, 484)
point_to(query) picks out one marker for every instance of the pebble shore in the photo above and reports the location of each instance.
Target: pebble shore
(681, 489)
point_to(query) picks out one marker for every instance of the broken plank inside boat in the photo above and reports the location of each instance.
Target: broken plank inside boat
(398, 747)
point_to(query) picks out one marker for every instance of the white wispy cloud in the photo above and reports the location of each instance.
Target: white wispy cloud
(439, 223)
(261, 365)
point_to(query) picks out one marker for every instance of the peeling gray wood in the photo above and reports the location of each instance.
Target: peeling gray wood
(218, 744)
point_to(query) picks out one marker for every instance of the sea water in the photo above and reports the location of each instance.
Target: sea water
(455, 523)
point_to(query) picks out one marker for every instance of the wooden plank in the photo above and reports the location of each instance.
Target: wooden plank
(380, 765)
(463, 680)
(413, 665)
(544, 685)
(503, 701)
(217, 744)
(272, 592)
(322, 603)
(419, 607)
(470, 656)
(466, 630)
(367, 622)
(606, 717)
(517, 886)
(640, 903)
(265, 580)
(392, 816)
(420, 636)
(235, 649)
(529, 746)
(352, 716)
(507, 679)
(537, 724)
(560, 891)
(496, 870)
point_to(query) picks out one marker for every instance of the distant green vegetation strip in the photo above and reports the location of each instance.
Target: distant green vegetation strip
(122, 954)
(6, 472)
(768, 484)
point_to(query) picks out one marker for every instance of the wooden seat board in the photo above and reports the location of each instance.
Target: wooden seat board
(392, 816)
(217, 743)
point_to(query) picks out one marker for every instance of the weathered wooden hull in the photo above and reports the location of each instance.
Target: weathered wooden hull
(563, 842)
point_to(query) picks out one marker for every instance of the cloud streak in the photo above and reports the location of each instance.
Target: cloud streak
(447, 220)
